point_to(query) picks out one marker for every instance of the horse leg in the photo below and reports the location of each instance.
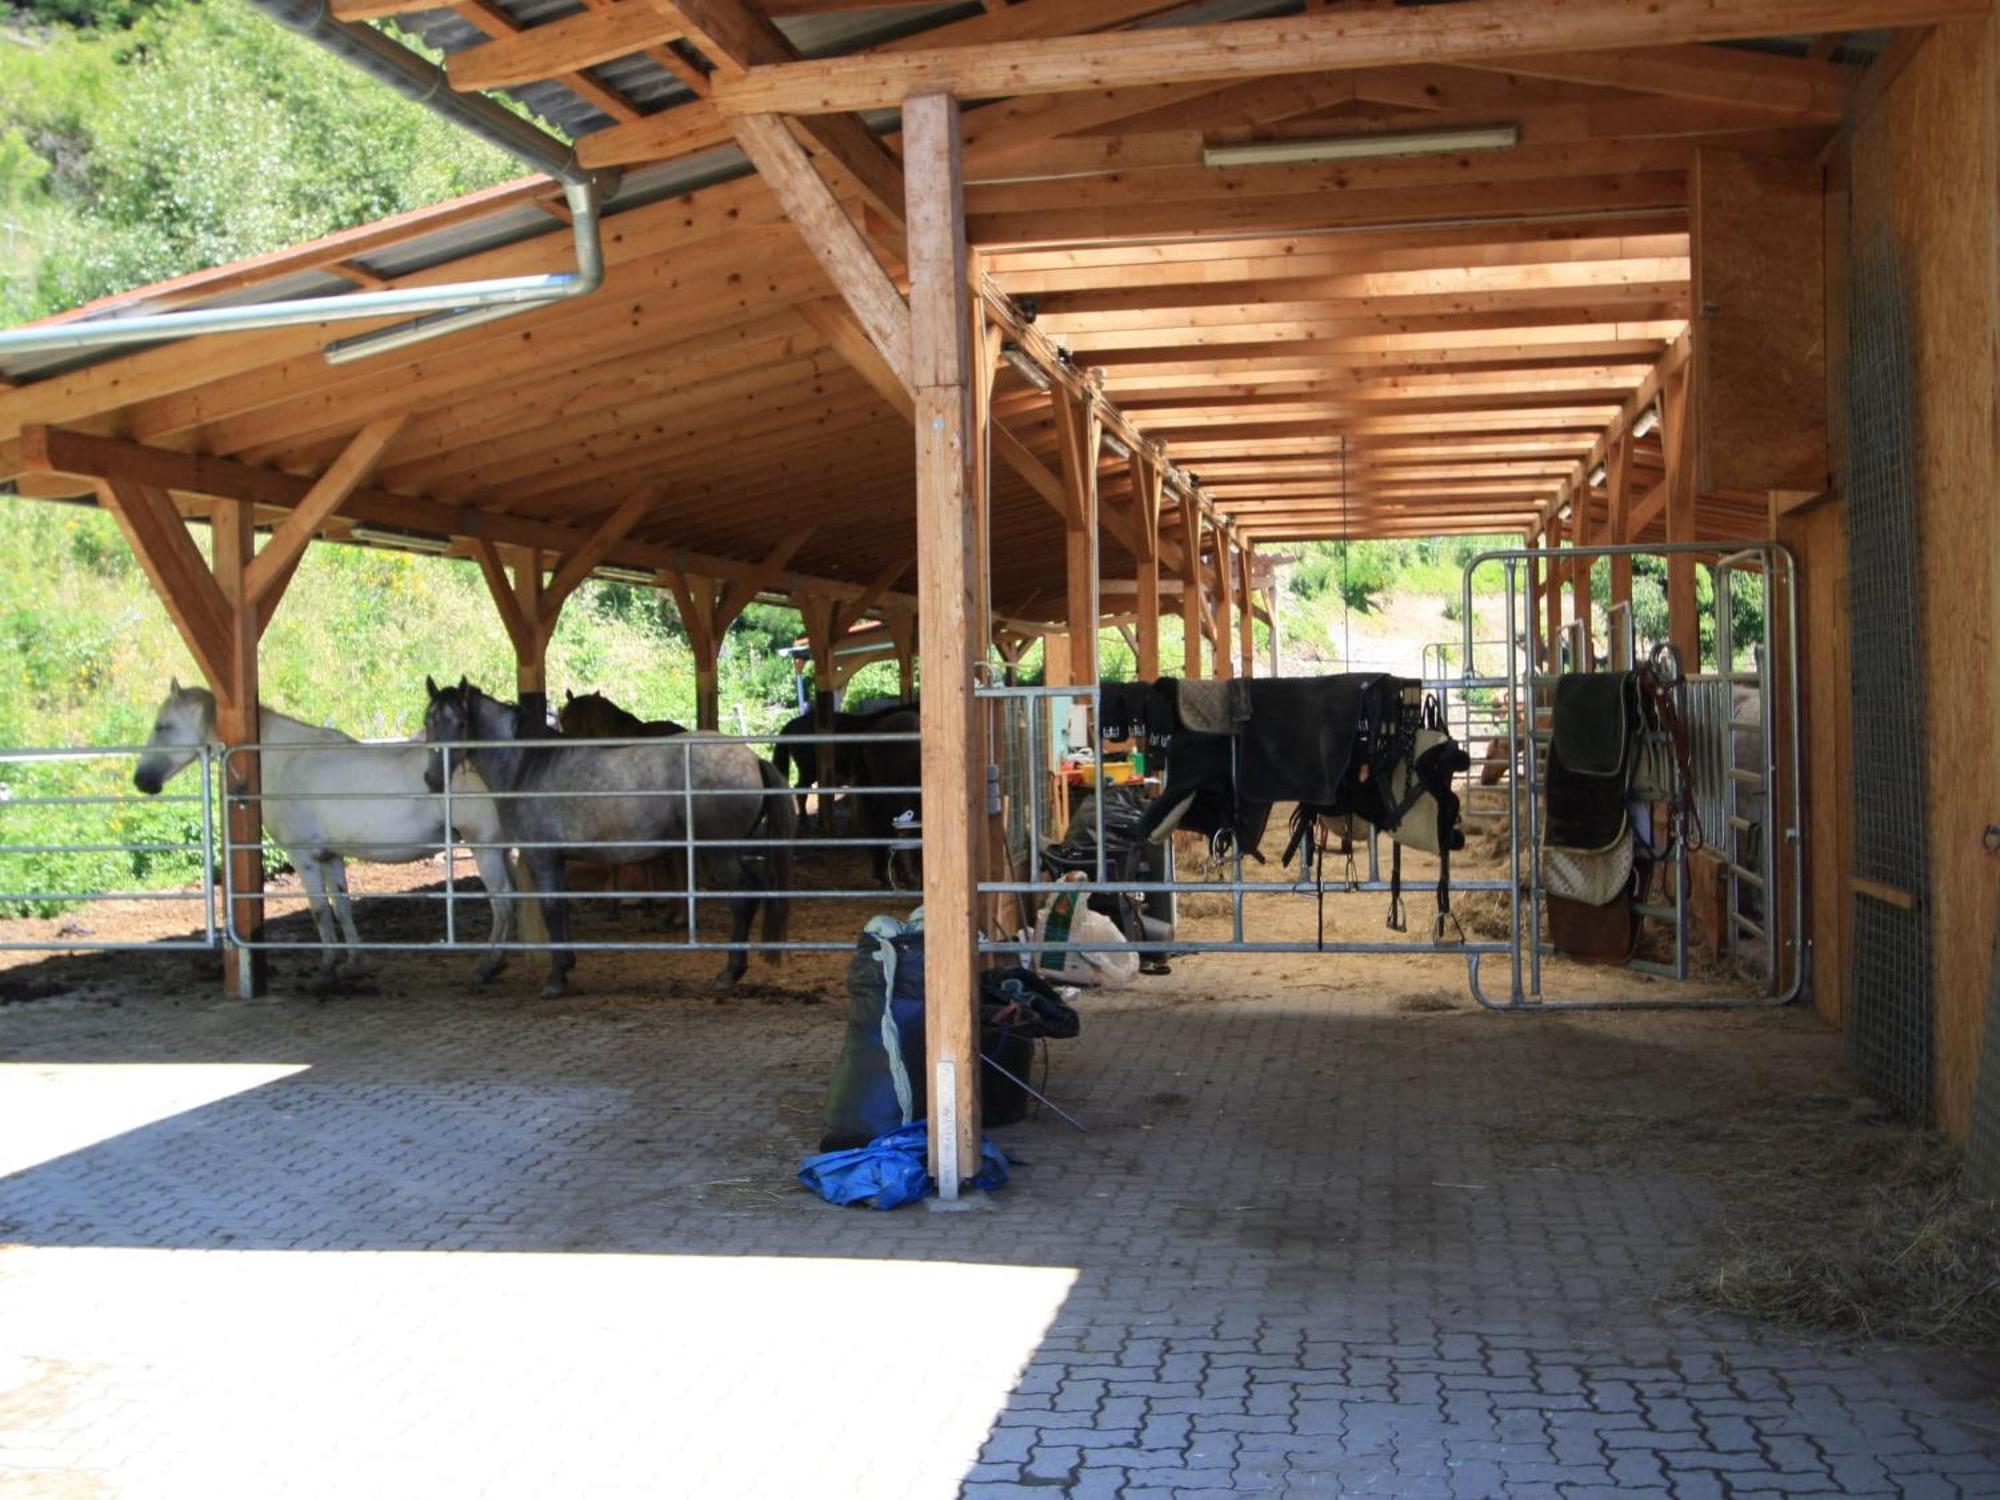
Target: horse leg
(336, 879)
(877, 827)
(726, 868)
(493, 873)
(546, 866)
(312, 877)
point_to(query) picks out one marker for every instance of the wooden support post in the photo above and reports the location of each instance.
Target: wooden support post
(903, 631)
(531, 667)
(1579, 571)
(1079, 435)
(1677, 438)
(1249, 605)
(709, 606)
(1552, 598)
(232, 529)
(529, 624)
(1147, 475)
(696, 598)
(1531, 627)
(1192, 605)
(1225, 589)
(821, 619)
(952, 634)
(1618, 527)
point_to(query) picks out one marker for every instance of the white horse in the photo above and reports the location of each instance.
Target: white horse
(320, 833)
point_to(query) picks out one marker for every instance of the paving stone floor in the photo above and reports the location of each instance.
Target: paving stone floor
(444, 1244)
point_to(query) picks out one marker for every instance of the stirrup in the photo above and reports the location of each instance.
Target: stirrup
(1437, 929)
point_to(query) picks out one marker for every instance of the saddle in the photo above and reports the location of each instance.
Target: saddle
(1358, 747)
(1398, 778)
(1202, 792)
(1616, 748)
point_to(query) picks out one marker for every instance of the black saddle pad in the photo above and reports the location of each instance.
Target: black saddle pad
(1590, 758)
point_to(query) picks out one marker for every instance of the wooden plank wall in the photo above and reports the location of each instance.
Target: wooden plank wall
(1924, 163)
(1760, 346)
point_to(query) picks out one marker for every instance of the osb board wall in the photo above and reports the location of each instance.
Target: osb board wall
(1817, 538)
(1924, 165)
(1760, 348)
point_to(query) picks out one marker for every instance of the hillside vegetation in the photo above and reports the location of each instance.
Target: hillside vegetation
(142, 140)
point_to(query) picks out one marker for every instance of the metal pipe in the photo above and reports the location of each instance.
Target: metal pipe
(451, 306)
(424, 82)
(446, 308)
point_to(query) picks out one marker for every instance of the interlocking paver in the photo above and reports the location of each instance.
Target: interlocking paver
(554, 1249)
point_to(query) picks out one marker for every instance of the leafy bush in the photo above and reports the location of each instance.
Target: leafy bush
(171, 137)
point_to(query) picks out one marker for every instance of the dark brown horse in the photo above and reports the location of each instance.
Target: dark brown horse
(595, 717)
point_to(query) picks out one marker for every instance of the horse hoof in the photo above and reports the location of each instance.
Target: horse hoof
(488, 971)
(553, 990)
(722, 984)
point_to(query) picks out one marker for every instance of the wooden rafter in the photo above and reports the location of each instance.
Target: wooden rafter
(273, 567)
(1312, 42)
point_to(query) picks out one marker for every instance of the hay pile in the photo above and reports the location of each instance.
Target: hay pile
(1881, 1242)
(1835, 1218)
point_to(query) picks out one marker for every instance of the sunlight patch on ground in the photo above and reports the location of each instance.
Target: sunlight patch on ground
(48, 1110)
(263, 1373)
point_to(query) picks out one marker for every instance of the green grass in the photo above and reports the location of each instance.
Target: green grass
(86, 653)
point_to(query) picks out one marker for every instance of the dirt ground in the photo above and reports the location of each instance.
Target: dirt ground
(404, 904)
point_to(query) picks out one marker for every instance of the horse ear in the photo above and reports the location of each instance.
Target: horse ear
(430, 686)
(173, 687)
(464, 683)
(569, 695)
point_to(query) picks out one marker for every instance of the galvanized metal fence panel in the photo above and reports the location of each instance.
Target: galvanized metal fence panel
(77, 837)
(1892, 1033)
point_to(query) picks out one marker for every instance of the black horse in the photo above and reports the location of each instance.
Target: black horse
(862, 762)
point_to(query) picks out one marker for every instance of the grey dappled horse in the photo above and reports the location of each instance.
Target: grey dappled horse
(641, 795)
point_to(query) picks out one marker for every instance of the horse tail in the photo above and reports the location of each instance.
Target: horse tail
(780, 826)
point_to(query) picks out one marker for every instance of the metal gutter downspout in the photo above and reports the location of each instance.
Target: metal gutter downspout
(445, 308)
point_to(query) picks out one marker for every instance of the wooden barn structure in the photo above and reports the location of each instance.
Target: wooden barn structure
(1154, 284)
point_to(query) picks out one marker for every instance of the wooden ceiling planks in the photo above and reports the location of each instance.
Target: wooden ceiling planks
(1407, 341)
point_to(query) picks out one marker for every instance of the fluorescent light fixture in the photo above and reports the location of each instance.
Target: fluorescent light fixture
(1648, 420)
(1360, 147)
(638, 577)
(1597, 476)
(402, 541)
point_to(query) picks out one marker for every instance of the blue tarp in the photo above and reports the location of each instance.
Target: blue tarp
(891, 1170)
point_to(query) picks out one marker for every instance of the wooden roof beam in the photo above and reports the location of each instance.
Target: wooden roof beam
(1315, 41)
(565, 46)
(1676, 356)
(1801, 87)
(94, 459)
(699, 126)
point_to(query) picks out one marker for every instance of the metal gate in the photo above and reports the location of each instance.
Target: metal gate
(1735, 781)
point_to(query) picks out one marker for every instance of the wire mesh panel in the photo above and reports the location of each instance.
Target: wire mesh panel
(1892, 1021)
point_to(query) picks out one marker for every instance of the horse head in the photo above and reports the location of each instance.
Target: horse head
(185, 722)
(459, 713)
